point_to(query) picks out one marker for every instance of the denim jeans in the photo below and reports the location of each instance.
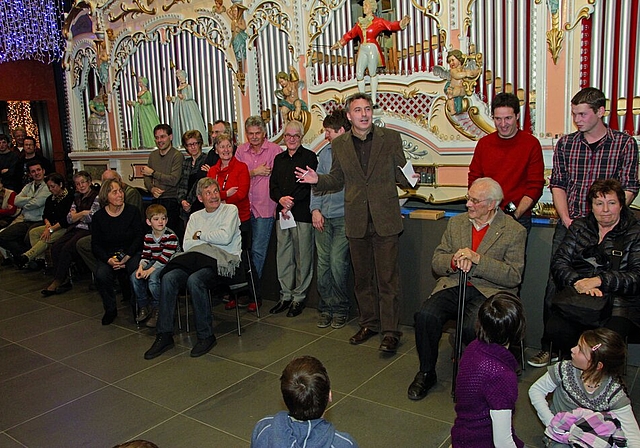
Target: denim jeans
(333, 268)
(261, 229)
(198, 285)
(140, 285)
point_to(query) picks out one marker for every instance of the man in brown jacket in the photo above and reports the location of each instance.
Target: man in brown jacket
(366, 163)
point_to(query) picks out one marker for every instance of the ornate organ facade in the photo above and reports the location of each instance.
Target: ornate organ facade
(440, 72)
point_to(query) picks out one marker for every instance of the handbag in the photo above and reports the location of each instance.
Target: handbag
(583, 308)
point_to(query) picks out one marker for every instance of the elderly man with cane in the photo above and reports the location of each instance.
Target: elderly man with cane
(489, 247)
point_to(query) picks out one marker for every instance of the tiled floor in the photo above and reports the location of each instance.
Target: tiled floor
(67, 381)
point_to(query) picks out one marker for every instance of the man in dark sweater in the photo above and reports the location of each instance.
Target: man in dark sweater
(295, 243)
(162, 176)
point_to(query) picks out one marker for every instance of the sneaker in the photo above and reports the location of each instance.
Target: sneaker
(338, 321)
(230, 305)
(153, 320)
(143, 314)
(22, 261)
(324, 320)
(163, 342)
(542, 359)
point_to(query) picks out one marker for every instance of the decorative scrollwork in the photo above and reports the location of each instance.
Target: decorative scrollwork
(319, 18)
(203, 27)
(555, 36)
(135, 11)
(584, 13)
(433, 10)
(85, 57)
(411, 150)
(166, 8)
(267, 12)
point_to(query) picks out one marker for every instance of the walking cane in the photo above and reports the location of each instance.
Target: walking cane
(462, 293)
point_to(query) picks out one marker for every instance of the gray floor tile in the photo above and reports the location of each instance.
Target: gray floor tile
(120, 358)
(37, 322)
(74, 338)
(8, 442)
(101, 419)
(17, 360)
(236, 409)
(338, 358)
(262, 344)
(17, 305)
(393, 427)
(182, 381)
(182, 431)
(39, 391)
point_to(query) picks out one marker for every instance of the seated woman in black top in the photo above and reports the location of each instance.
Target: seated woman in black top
(116, 241)
(77, 221)
(54, 215)
(585, 261)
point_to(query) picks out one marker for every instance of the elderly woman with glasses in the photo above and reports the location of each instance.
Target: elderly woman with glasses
(191, 173)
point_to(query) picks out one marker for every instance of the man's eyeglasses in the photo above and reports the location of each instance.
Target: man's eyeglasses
(295, 136)
(474, 201)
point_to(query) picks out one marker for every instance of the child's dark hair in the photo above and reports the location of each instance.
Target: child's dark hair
(501, 320)
(305, 388)
(607, 347)
(137, 444)
(155, 209)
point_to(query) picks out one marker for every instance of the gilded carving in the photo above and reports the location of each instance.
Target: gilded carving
(133, 11)
(268, 12)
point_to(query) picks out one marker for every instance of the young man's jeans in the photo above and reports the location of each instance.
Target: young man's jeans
(333, 267)
(261, 234)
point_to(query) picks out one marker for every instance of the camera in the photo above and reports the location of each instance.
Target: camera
(119, 255)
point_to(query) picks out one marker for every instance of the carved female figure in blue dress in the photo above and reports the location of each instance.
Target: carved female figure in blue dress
(145, 117)
(186, 113)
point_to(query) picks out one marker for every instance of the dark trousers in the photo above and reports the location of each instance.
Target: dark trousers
(15, 238)
(550, 291)
(376, 281)
(105, 274)
(565, 334)
(434, 313)
(64, 252)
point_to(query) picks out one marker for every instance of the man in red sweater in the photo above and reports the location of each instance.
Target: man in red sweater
(511, 157)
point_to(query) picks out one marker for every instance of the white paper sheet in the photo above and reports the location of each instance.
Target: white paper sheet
(287, 223)
(408, 172)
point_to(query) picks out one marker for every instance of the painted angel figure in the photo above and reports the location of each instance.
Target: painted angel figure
(289, 102)
(461, 79)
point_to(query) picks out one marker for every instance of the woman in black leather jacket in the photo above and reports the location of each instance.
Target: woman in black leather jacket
(584, 258)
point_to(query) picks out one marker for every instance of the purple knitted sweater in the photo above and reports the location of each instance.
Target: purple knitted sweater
(486, 380)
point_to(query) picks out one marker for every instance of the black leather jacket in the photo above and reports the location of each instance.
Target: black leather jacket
(571, 264)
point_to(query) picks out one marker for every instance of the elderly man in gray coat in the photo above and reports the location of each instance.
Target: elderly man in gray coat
(490, 247)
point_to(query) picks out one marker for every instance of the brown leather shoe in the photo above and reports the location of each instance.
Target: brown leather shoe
(363, 335)
(389, 344)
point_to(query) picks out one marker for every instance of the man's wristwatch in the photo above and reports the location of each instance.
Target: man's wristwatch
(50, 231)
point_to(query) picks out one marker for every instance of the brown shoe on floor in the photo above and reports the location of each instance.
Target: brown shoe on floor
(389, 344)
(363, 335)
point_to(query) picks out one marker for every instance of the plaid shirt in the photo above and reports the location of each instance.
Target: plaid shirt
(576, 166)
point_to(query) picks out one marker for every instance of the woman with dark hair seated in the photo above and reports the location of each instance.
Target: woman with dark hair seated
(55, 213)
(116, 242)
(599, 257)
(85, 204)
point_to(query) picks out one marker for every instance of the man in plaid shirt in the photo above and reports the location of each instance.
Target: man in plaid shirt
(593, 152)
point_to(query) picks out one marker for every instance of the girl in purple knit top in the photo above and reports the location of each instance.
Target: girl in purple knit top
(487, 384)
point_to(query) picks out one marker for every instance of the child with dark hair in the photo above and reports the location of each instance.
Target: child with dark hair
(306, 391)
(590, 401)
(487, 384)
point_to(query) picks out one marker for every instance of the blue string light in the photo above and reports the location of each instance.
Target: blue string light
(31, 29)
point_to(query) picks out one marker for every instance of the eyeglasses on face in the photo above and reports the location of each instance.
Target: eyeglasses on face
(474, 201)
(294, 136)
